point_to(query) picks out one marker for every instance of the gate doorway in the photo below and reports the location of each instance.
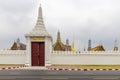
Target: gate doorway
(38, 54)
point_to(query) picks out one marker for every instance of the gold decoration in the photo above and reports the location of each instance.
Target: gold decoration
(37, 39)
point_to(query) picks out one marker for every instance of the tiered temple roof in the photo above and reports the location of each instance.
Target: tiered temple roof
(59, 46)
(17, 45)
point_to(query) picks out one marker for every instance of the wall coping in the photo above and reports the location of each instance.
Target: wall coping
(12, 52)
(86, 53)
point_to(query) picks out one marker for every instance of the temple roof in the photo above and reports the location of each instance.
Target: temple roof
(39, 29)
(17, 45)
(98, 48)
(59, 46)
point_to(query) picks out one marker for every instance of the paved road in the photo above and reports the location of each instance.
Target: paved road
(58, 75)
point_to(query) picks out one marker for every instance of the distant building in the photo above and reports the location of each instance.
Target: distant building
(18, 45)
(59, 46)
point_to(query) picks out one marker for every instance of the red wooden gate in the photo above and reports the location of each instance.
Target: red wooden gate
(38, 53)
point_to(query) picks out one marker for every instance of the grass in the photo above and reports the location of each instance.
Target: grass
(76, 66)
(11, 64)
(90, 66)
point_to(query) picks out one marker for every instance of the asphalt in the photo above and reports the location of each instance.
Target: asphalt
(58, 75)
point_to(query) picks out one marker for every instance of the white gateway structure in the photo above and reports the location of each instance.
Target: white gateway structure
(39, 44)
(39, 52)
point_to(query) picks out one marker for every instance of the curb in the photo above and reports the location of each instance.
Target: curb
(14, 67)
(76, 69)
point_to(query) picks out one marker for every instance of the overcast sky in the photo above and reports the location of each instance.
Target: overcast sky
(78, 20)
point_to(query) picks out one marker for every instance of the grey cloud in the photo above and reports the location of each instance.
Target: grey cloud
(76, 19)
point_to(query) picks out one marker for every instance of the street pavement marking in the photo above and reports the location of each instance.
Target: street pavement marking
(55, 79)
(106, 79)
(7, 79)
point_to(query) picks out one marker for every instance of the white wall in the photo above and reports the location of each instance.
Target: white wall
(86, 58)
(48, 50)
(73, 58)
(12, 56)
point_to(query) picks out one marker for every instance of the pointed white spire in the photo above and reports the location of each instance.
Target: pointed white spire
(116, 45)
(18, 43)
(40, 18)
(89, 45)
(39, 29)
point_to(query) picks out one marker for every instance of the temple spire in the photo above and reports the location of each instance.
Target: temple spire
(89, 45)
(39, 29)
(72, 47)
(18, 43)
(116, 45)
(58, 37)
(67, 42)
(40, 18)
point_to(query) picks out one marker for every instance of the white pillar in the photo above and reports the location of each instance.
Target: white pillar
(48, 50)
(28, 50)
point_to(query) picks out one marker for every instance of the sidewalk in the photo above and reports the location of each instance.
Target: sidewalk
(34, 68)
(10, 67)
(71, 68)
